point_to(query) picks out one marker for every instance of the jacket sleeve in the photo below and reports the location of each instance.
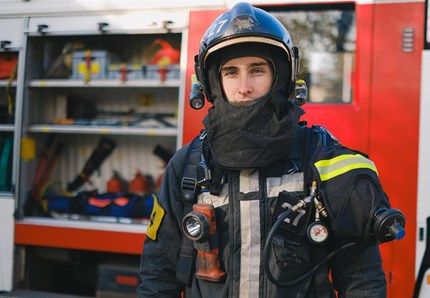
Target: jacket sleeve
(160, 254)
(357, 272)
(351, 192)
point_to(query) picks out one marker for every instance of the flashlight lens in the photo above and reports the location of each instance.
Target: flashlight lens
(197, 103)
(194, 227)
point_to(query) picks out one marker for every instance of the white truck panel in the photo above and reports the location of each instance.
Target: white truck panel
(6, 242)
(127, 22)
(11, 30)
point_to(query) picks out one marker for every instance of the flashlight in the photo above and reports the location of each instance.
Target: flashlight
(197, 98)
(200, 226)
(200, 222)
(300, 92)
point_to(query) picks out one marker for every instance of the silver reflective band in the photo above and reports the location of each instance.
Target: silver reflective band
(257, 39)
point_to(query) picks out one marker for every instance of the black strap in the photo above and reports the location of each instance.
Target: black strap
(189, 185)
(306, 138)
(314, 137)
(184, 269)
(189, 189)
(217, 181)
(323, 286)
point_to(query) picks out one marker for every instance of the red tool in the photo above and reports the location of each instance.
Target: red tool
(163, 54)
(44, 170)
(87, 75)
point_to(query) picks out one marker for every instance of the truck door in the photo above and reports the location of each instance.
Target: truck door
(422, 264)
(359, 90)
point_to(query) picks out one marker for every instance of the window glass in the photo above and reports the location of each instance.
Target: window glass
(427, 32)
(326, 38)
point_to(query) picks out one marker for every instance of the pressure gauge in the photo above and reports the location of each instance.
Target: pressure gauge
(317, 232)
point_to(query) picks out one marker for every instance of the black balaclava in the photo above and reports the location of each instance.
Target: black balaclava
(258, 134)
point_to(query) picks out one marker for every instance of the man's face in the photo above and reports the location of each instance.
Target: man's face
(245, 79)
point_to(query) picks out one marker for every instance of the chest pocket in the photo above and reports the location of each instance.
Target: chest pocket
(293, 230)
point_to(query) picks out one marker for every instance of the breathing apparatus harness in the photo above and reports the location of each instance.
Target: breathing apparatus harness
(385, 224)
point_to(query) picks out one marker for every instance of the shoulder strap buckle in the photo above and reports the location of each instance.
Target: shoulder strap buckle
(189, 188)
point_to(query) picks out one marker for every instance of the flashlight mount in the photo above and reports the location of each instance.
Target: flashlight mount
(200, 226)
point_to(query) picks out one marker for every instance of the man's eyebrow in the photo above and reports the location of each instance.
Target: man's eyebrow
(230, 67)
(262, 63)
(254, 64)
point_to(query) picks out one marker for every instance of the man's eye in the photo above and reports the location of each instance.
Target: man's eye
(258, 70)
(229, 73)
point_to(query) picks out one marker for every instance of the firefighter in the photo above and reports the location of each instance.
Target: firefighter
(262, 222)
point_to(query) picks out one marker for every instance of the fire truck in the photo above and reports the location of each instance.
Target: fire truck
(79, 75)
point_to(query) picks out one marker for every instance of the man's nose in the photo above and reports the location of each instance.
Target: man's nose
(245, 86)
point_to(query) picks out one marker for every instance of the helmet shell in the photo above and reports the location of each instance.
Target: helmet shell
(242, 23)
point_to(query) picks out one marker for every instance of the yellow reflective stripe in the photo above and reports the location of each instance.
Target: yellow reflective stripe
(340, 171)
(330, 168)
(329, 162)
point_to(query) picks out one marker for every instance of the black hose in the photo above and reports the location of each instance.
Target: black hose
(267, 247)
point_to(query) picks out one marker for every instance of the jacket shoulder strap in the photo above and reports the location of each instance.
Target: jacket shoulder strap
(189, 190)
(189, 185)
(310, 139)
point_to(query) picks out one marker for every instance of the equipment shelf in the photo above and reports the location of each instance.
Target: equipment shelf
(112, 130)
(4, 83)
(77, 234)
(7, 127)
(105, 83)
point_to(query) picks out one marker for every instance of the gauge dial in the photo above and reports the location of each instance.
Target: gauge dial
(317, 232)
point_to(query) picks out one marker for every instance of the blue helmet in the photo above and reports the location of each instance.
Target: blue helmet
(244, 23)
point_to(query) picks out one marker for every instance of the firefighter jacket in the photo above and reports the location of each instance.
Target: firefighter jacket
(246, 208)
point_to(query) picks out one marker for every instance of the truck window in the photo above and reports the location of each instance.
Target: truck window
(326, 37)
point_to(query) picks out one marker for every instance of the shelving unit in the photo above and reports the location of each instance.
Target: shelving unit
(114, 106)
(138, 113)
